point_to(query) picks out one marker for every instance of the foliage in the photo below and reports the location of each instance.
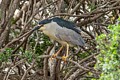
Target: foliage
(42, 43)
(6, 55)
(109, 58)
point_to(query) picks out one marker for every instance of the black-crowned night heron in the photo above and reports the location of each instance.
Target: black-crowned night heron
(62, 31)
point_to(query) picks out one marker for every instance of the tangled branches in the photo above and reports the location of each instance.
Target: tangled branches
(24, 54)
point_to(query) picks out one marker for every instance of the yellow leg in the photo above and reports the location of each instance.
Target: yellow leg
(65, 57)
(54, 55)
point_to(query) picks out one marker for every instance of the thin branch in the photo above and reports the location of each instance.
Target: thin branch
(78, 65)
(32, 65)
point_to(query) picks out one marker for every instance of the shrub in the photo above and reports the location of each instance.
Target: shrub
(108, 61)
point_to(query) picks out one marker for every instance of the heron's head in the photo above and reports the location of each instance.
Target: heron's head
(43, 23)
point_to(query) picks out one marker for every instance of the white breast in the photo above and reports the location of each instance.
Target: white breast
(50, 31)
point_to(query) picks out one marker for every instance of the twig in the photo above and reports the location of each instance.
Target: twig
(71, 15)
(88, 58)
(23, 77)
(45, 68)
(12, 66)
(27, 34)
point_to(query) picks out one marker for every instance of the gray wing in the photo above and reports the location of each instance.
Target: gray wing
(70, 36)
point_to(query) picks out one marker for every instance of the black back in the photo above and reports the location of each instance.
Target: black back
(61, 22)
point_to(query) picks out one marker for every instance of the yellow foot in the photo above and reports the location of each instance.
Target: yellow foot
(64, 58)
(53, 56)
